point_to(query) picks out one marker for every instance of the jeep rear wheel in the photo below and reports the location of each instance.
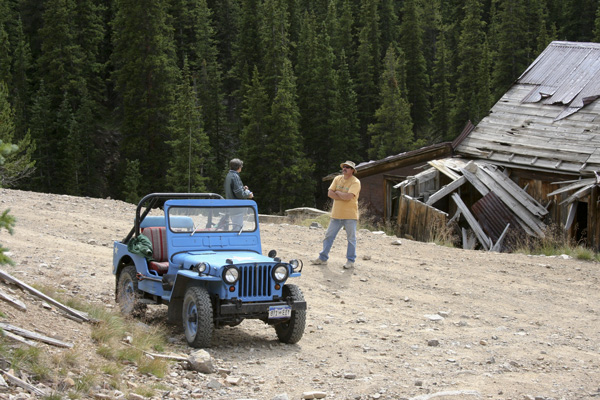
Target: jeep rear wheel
(128, 294)
(291, 331)
(197, 317)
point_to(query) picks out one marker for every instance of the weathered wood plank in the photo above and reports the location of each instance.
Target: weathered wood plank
(578, 195)
(443, 168)
(79, 314)
(483, 239)
(34, 336)
(16, 381)
(445, 190)
(572, 186)
(476, 182)
(571, 215)
(16, 303)
(19, 339)
(513, 189)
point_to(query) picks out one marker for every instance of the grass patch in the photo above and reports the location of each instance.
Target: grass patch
(555, 242)
(108, 331)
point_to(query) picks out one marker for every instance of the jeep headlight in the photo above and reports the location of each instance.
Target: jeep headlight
(296, 264)
(200, 268)
(280, 273)
(231, 274)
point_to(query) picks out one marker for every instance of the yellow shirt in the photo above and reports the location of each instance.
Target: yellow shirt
(345, 209)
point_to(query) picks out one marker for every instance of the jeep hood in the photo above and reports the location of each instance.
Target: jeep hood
(217, 259)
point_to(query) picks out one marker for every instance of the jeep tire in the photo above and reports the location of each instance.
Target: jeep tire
(128, 295)
(291, 331)
(197, 315)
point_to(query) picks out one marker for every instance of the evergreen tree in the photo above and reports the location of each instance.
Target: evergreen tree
(21, 85)
(208, 81)
(247, 55)
(275, 45)
(367, 66)
(442, 95)
(90, 34)
(41, 128)
(7, 221)
(255, 136)
(343, 122)
(132, 182)
(389, 23)
(470, 54)
(513, 47)
(17, 163)
(597, 26)
(5, 56)
(290, 170)
(69, 150)
(61, 62)
(392, 132)
(190, 145)
(145, 76)
(417, 79)
(316, 94)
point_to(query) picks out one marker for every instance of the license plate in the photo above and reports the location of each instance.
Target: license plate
(280, 312)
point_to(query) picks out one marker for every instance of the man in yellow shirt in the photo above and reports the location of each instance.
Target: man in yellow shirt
(344, 191)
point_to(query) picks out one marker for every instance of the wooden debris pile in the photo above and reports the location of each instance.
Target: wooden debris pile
(486, 204)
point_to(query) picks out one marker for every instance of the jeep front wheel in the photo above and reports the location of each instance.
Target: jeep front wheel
(128, 295)
(291, 331)
(197, 317)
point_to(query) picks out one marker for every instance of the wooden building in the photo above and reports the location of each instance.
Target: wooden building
(543, 134)
(377, 178)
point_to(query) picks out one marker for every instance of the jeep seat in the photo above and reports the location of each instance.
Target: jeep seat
(160, 255)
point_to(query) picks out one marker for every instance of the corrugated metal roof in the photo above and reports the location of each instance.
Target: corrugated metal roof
(493, 216)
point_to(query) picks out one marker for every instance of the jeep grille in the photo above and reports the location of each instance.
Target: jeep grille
(255, 281)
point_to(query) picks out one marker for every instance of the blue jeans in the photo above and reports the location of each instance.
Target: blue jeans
(334, 227)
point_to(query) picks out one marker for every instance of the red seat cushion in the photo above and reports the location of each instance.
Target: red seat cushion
(159, 267)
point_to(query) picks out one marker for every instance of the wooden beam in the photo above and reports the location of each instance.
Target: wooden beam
(445, 190)
(481, 236)
(578, 194)
(572, 186)
(571, 215)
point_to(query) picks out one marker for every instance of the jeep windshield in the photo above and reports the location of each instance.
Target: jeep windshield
(202, 220)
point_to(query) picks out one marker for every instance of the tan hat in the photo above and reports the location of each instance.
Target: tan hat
(350, 163)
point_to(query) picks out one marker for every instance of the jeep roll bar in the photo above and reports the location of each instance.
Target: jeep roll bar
(157, 200)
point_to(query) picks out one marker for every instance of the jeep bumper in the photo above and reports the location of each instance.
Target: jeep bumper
(258, 308)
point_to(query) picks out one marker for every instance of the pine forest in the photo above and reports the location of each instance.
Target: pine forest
(121, 98)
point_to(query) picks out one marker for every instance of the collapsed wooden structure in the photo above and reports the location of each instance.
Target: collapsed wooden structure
(532, 162)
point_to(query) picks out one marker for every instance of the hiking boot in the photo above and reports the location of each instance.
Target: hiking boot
(318, 261)
(349, 265)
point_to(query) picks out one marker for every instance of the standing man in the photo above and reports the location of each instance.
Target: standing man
(234, 188)
(344, 191)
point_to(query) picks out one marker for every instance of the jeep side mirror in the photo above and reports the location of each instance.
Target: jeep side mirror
(272, 253)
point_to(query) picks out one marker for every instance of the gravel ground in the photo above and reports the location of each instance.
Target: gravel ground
(412, 320)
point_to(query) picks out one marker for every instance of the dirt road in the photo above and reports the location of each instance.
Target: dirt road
(411, 321)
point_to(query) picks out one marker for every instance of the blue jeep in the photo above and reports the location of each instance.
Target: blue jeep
(201, 256)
